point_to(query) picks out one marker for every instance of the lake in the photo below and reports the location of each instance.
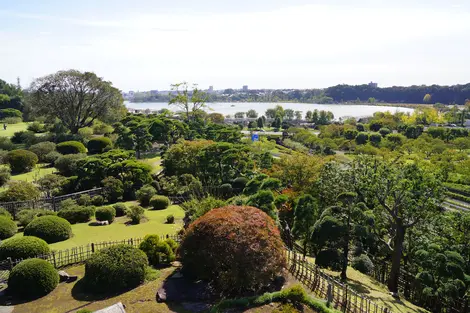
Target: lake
(230, 108)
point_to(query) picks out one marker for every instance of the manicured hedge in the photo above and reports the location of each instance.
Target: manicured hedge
(23, 248)
(363, 264)
(71, 147)
(78, 214)
(8, 227)
(99, 145)
(121, 209)
(116, 268)
(159, 202)
(4, 212)
(458, 196)
(50, 228)
(105, 214)
(21, 160)
(32, 278)
(42, 149)
(158, 251)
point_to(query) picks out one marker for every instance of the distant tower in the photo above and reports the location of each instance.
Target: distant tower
(245, 88)
(211, 89)
(373, 85)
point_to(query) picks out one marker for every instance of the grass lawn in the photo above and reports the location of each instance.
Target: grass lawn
(13, 128)
(118, 230)
(38, 172)
(70, 297)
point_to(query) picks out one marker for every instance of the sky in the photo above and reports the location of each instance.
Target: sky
(150, 44)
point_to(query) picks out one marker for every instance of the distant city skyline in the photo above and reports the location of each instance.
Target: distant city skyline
(265, 44)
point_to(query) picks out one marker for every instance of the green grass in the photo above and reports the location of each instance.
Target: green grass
(155, 162)
(13, 128)
(84, 234)
(40, 171)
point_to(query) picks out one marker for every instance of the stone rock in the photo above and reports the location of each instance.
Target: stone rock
(116, 308)
(102, 223)
(65, 277)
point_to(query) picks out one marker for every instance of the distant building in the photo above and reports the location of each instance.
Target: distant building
(211, 89)
(131, 93)
(153, 92)
(245, 88)
(373, 85)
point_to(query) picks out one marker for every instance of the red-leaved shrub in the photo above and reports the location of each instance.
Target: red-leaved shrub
(235, 248)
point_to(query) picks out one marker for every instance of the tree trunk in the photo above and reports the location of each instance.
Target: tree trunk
(346, 249)
(396, 258)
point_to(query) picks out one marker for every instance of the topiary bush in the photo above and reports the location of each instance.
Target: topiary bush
(42, 149)
(32, 278)
(121, 209)
(235, 248)
(4, 212)
(113, 189)
(158, 251)
(170, 219)
(116, 268)
(160, 202)
(21, 160)
(51, 157)
(107, 213)
(329, 258)
(25, 216)
(8, 227)
(99, 145)
(97, 200)
(36, 127)
(71, 147)
(23, 248)
(144, 195)
(79, 214)
(67, 164)
(363, 264)
(135, 213)
(50, 228)
(84, 200)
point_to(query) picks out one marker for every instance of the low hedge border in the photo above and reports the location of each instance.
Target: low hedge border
(458, 196)
(293, 294)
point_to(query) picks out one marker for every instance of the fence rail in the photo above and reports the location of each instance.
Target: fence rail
(63, 258)
(51, 203)
(324, 286)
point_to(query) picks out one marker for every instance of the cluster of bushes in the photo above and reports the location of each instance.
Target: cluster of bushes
(158, 251)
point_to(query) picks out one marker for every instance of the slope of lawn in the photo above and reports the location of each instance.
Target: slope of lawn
(38, 172)
(376, 291)
(155, 162)
(12, 128)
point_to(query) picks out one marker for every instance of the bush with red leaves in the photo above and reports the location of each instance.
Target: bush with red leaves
(235, 248)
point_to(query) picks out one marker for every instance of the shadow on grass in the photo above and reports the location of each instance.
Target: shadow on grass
(8, 299)
(81, 292)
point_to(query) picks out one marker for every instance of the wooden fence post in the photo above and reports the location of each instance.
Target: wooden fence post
(53, 259)
(92, 247)
(53, 204)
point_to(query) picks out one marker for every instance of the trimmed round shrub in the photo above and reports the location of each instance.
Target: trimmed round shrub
(26, 216)
(51, 157)
(144, 195)
(21, 160)
(157, 251)
(113, 189)
(7, 227)
(160, 202)
(363, 264)
(33, 278)
(97, 200)
(239, 183)
(84, 200)
(107, 213)
(236, 248)
(170, 219)
(135, 213)
(4, 212)
(71, 147)
(116, 268)
(384, 131)
(23, 248)
(121, 209)
(50, 228)
(78, 214)
(42, 149)
(362, 138)
(6, 144)
(67, 164)
(99, 145)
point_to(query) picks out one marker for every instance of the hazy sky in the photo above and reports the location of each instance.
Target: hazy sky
(149, 44)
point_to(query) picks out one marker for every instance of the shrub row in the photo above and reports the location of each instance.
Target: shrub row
(458, 188)
(458, 196)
